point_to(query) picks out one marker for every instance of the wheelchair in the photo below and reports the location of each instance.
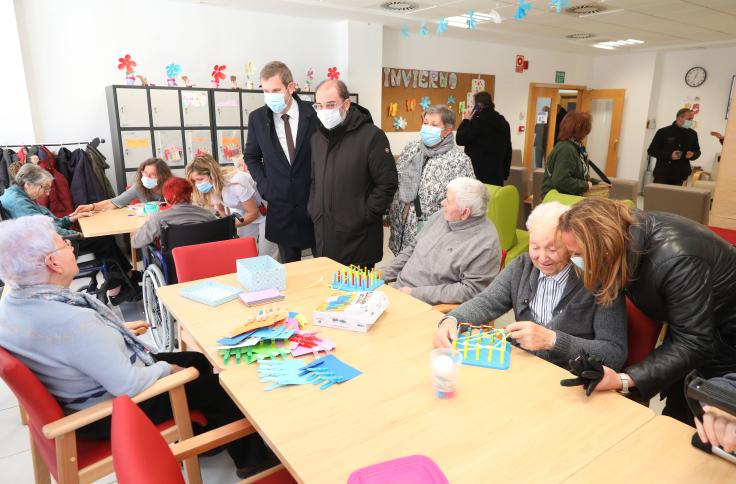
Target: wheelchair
(160, 271)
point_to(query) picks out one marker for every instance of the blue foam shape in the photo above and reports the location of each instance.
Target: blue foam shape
(329, 365)
(482, 360)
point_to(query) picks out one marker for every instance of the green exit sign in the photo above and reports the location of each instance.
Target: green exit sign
(560, 77)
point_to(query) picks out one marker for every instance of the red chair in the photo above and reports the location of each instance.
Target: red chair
(141, 456)
(212, 259)
(728, 235)
(643, 333)
(55, 448)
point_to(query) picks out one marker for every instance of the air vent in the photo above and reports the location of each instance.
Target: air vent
(586, 9)
(398, 6)
(580, 36)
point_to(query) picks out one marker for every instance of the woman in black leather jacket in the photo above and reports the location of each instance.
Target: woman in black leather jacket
(674, 270)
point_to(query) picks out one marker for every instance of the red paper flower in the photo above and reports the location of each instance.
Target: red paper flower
(333, 73)
(126, 63)
(217, 74)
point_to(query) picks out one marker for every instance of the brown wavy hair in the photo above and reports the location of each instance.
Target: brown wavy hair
(575, 126)
(601, 230)
(163, 171)
(205, 164)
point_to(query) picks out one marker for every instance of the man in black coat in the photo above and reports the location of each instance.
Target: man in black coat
(278, 155)
(487, 139)
(675, 146)
(354, 179)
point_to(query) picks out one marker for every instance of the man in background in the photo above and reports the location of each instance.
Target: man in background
(674, 147)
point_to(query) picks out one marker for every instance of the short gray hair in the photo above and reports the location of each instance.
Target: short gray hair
(470, 193)
(546, 214)
(26, 265)
(32, 174)
(342, 88)
(447, 115)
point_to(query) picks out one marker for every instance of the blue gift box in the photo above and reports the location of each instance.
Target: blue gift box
(263, 272)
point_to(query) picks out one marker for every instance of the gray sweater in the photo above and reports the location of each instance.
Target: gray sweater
(449, 262)
(579, 323)
(179, 214)
(77, 357)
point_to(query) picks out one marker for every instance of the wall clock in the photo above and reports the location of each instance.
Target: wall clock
(695, 77)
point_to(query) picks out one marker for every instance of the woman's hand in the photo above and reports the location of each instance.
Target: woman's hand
(137, 327)
(532, 336)
(83, 208)
(445, 334)
(468, 114)
(717, 428)
(76, 216)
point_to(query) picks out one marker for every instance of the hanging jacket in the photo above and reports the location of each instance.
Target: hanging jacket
(59, 200)
(99, 165)
(85, 186)
(7, 158)
(63, 157)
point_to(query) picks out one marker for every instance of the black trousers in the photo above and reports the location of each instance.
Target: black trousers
(292, 254)
(105, 248)
(204, 394)
(669, 181)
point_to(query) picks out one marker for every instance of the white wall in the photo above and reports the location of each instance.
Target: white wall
(71, 49)
(16, 125)
(512, 89)
(673, 93)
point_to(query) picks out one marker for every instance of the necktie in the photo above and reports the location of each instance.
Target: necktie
(289, 137)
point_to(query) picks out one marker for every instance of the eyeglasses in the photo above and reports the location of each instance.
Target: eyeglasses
(328, 105)
(45, 188)
(67, 245)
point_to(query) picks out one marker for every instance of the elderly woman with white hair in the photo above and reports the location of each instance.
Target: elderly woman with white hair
(456, 255)
(556, 317)
(83, 352)
(425, 166)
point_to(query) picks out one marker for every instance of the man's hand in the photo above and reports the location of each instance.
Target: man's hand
(689, 154)
(405, 290)
(137, 327)
(532, 336)
(445, 334)
(717, 428)
(676, 154)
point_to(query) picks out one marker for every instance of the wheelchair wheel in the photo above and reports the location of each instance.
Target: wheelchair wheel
(158, 318)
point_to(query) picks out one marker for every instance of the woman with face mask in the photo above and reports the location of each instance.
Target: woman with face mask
(425, 167)
(149, 180)
(226, 190)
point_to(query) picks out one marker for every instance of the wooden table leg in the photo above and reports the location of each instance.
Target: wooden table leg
(133, 257)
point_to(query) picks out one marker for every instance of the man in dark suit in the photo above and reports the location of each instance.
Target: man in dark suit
(278, 155)
(675, 146)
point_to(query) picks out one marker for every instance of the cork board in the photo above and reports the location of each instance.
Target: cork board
(406, 90)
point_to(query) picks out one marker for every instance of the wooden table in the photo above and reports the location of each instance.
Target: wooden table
(113, 222)
(306, 288)
(517, 425)
(659, 451)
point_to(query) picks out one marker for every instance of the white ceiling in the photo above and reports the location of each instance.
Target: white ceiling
(661, 24)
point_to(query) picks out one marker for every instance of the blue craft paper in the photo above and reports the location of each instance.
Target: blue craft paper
(341, 372)
(237, 339)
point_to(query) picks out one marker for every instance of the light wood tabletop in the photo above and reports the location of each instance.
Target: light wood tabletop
(307, 286)
(113, 222)
(659, 451)
(517, 425)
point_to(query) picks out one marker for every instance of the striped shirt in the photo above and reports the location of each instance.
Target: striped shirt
(549, 293)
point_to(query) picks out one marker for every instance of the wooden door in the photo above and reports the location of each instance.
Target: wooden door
(540, 125)
(606, 106)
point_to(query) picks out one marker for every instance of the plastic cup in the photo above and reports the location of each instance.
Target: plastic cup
(150, 207)
(445, 365)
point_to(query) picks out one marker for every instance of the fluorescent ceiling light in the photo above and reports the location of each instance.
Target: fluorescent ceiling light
(462, 20)
(612, 44)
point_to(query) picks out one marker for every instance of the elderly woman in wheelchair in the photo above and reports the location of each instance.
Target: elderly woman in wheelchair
(181, 224)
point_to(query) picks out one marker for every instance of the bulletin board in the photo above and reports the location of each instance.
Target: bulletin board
(407, 91)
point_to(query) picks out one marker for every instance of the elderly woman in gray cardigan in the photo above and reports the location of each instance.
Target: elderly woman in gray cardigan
(556, 317)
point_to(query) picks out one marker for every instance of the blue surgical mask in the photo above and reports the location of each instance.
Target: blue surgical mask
(148, 182)
(330, 118)
(431, 135)
(276, 101)
(204, 187)
(687, 124)
(578, 261)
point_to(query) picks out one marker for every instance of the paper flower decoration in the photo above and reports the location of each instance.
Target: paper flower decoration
(451, 99)
(127, 63)
(310, 74)
(405, 31)
(217, 74)
(250, 69)
(333, 73)
(471, 22)
(423, 30)
(495, 17)
(173, 70)
(558, 5)
(399, 123)
(523, 10)
(442, 26)
(425, 102)
(393, 108)
(411, 104)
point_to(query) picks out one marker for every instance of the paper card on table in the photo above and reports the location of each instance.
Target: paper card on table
(328, 370)
(258, 297)
(210, 292)
(281, 373)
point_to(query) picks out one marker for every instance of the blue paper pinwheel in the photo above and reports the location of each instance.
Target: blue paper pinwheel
(399, 123)
(173, 70)
(425, 103)
(405, 31)
(471, 22)
(442, 26)
(451, 99)
(523, 9)
(558, 5)
(423, 30)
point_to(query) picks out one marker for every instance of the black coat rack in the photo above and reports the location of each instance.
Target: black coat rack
(94, 143)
